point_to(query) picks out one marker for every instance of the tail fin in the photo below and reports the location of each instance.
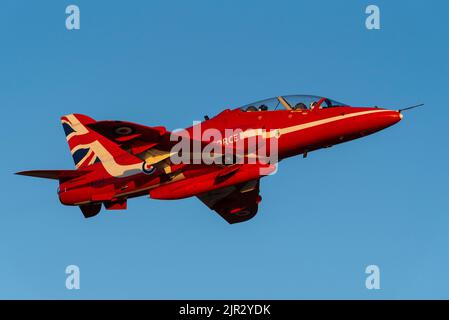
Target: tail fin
(89, 147)
(75, 131)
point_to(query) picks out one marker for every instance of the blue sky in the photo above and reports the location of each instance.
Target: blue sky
(380, 200)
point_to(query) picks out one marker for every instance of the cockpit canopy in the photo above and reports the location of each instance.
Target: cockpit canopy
(292, 102)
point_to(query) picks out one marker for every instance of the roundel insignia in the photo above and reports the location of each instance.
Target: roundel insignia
(123, 130)
(148, 169)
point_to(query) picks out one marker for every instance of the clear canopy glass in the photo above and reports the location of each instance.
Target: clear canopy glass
(292, 102)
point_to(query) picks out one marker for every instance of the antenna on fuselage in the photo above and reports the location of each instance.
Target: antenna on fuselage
(412, 107)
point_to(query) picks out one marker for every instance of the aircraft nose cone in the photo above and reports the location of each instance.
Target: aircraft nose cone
(395, 116)
(389, 118)
(381, 119)
(398, 116)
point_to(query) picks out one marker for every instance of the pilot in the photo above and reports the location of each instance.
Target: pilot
(251, 108)
(312, 105)
(263, 108)
(300, 106)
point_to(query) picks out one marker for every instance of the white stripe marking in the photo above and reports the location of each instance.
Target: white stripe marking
(328, 120)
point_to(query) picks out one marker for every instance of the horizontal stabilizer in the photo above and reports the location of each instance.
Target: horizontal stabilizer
(54, 174)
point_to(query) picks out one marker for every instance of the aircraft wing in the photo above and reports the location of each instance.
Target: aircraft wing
(151, 144)
(134, 137)
(237, 203)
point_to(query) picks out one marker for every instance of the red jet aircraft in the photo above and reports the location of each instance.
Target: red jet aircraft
(117, 160)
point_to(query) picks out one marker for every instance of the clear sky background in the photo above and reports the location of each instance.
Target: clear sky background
(380, 200)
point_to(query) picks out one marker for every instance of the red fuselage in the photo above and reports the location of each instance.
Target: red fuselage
(298, 132)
